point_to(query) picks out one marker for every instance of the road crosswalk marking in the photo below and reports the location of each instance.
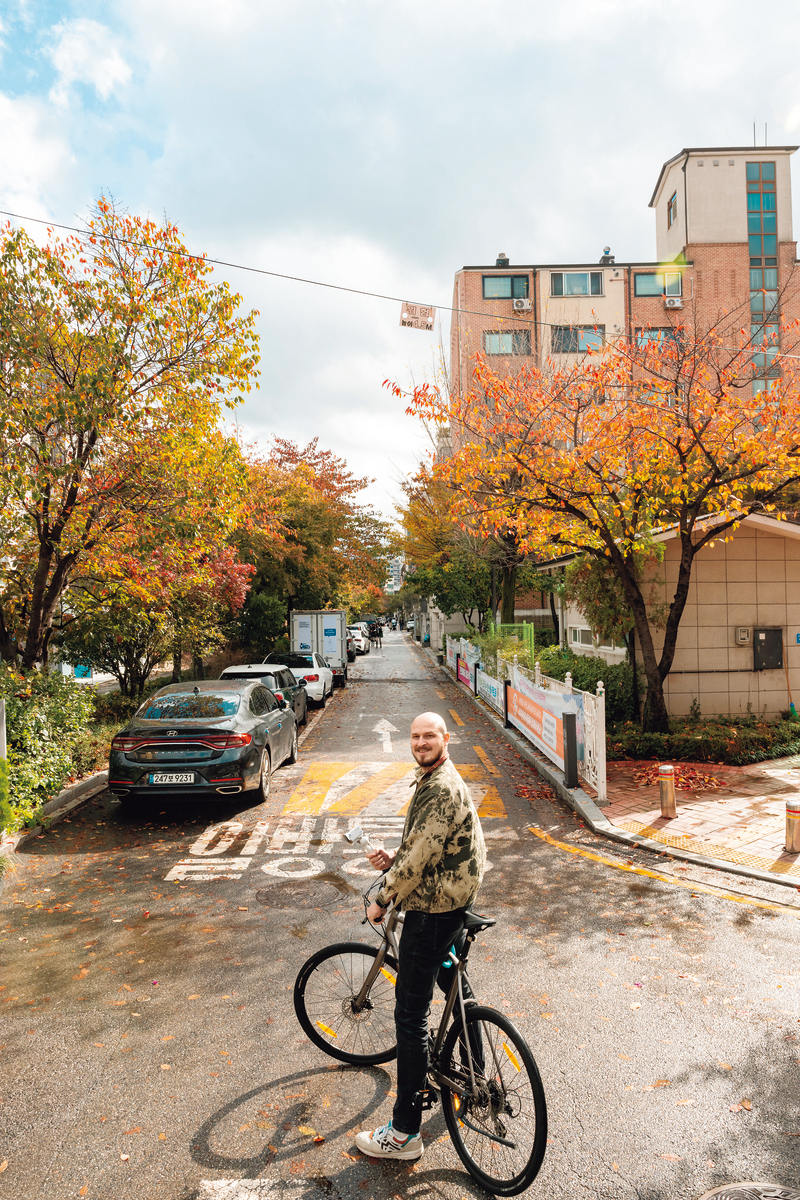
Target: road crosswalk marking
(380, 789)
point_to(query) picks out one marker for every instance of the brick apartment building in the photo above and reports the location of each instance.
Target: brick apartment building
(724, 249)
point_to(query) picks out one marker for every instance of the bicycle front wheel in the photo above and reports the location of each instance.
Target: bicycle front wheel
(324, 1000)
(500, 1130)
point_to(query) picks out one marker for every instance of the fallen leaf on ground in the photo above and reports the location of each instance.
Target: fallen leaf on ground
(684, 1102)
(169, 1038)
(197, 997)
(307, 1130)
(100, 1045)
(319, 1139)
(671, 1157)
(735, 1108)
(136, 1129)
(3, 1165)
(165, 1067)
(746, 1105)
(124, 1157)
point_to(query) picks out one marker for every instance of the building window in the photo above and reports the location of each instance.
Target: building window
(517, 341)
(576, 283)
(657, 283)
(762, 217)
(572, 339)
(763, 289)
(672, 210)
(505, 287)
(650, 337)
(581, 637)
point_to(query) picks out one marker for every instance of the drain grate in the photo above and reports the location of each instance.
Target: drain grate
(751, 1191)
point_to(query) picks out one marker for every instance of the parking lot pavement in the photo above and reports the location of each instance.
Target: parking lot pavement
(150, 1044)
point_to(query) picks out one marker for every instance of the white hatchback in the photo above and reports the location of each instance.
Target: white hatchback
(311, 667)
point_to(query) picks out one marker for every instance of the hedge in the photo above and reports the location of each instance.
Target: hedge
(45, 718)
(734, 740)
(587, 671)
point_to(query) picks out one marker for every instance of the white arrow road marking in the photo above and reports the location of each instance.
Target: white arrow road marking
(385, 729)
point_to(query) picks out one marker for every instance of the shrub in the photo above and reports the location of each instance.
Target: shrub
(587, 671)
(734, 740)
(45, 716)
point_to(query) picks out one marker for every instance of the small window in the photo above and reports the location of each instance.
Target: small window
(654, 337)
(672, 210)
(509, 343)
(576, 283)
(657, 283)
(572, 339)
(581, 637)
(505, 287)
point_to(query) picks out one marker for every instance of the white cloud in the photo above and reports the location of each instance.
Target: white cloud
(86, 52)
(34, 156)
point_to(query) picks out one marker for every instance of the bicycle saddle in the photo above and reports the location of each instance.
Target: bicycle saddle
(475, 922)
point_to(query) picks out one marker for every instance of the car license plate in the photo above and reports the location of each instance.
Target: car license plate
(171, 777)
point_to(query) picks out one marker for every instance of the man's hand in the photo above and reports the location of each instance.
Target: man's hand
(381, 860)
(375, 913)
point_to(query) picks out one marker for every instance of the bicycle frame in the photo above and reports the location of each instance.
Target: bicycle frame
(456, 992)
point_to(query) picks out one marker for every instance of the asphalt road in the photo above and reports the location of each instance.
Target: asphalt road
(150, 1047)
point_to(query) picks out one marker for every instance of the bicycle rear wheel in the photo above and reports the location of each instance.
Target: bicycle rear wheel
(500, 1132)
(324, 992)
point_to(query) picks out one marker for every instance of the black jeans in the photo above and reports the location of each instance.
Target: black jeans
(424, 946)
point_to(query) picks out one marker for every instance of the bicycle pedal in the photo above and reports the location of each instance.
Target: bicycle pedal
(428, 1097)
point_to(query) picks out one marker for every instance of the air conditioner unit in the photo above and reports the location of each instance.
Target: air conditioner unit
(522, 305)
(673, 302)
(742, 635)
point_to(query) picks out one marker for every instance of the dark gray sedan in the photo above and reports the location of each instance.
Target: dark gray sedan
(207, 739)
(279, 679)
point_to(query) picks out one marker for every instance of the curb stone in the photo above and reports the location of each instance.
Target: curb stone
(589, 811)
(55, 809)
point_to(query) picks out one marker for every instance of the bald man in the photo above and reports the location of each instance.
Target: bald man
(434, 876)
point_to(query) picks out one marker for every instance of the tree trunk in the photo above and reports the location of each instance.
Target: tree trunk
(554, 615)
(197, 666)
(177, 658)
(493, 575)
(508, 594)
(630, 644)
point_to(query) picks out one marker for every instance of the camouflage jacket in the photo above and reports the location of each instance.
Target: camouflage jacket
(441, 860)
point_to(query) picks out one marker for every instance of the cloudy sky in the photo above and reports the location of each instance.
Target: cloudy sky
(379, 146)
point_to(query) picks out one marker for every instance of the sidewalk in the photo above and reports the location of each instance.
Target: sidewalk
(734, 814)
(729, 818)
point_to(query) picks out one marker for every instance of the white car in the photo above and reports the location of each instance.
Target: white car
(360, 639)
(311, 667)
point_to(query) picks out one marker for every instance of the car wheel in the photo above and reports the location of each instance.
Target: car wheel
(292, 755)
(264, 776)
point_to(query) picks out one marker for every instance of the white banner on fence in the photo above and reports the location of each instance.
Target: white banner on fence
(471, 653)
(452, 653)
(554, 705)
(490, 690)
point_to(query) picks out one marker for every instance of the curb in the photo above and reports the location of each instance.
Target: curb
(55, 809)
(586, 808)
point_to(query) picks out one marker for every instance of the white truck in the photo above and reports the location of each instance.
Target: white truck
(322, 631)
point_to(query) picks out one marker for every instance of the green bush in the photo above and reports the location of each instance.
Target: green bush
(91, 750)
(5, 797)
(45, 717)
(733, 740)
(114, 708)
(587, 671)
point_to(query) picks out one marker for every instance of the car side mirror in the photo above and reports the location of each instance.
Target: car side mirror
(281, 703)
(302, 682)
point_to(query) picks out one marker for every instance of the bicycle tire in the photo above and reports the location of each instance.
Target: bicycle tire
(511, 1104)
(323, 993)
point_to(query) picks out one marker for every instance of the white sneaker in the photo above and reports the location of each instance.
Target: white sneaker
(385, 1143)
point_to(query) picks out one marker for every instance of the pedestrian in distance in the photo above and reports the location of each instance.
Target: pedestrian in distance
(434, 876)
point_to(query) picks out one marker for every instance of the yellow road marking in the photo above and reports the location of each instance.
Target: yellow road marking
(364, 793)
(487, 762)
(440, 693)
(684, 883)
(308, 796)
(455, 717)
(488, 800)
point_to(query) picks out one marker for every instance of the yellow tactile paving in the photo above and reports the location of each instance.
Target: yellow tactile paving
(712, 849)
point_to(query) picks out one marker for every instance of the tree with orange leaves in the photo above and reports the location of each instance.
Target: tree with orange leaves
(601, 457)
(117, 356)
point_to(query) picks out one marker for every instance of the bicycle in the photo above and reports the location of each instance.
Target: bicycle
(496, 1117)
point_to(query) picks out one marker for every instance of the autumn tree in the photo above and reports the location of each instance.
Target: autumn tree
(641, 442)
(117, 355)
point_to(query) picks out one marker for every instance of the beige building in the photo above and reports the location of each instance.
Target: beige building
(740, 626)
